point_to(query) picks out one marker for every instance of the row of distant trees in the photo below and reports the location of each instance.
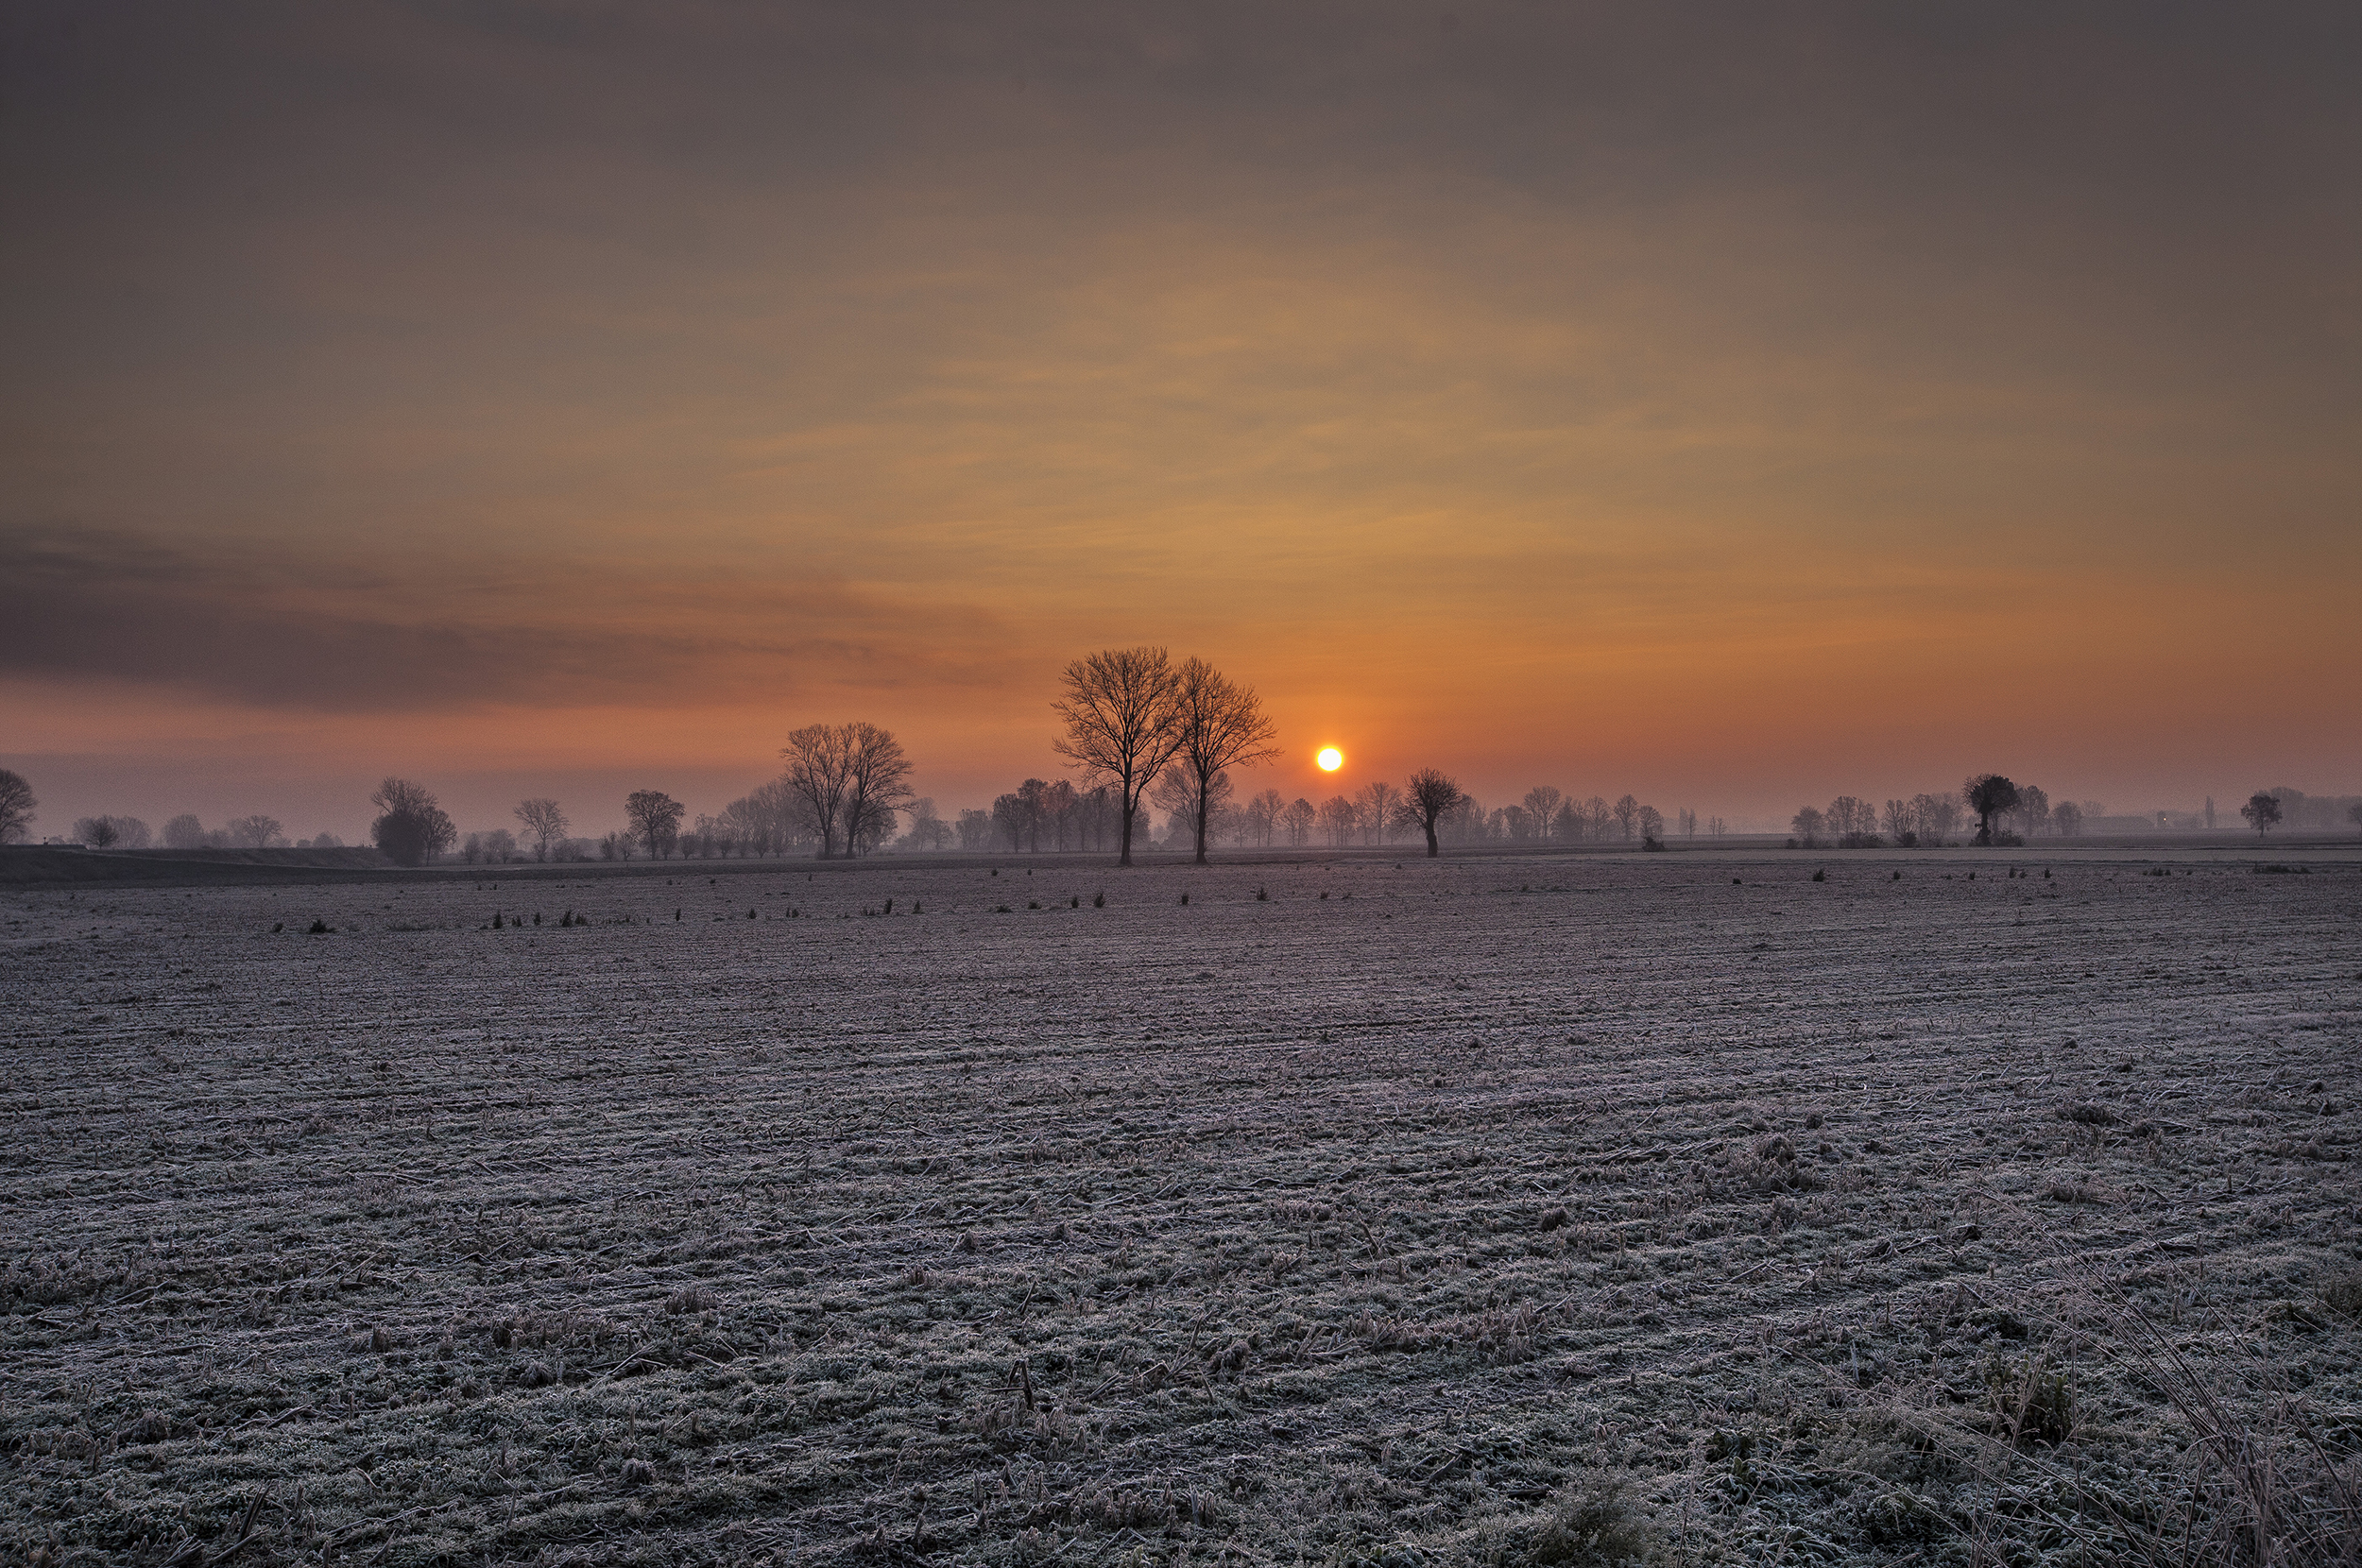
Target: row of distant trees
(2005, 812)
(1043, 815)
(186, 831)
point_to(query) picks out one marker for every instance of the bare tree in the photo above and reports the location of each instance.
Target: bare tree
(1902, 821)
(1296, 821)
(876, 785)
(2066, 819)
(544, 821)
(1262, 815)
(2262, 813)
(1061, 806)
(1121, 710)
(1988, 794)
(256, 832)
(185, 832)
(1541, 804)
(1339, 816)
(1186, 807)
(97, 832)
(1652, 826)
(1808, 825)
(16, 807)
(411, 828)
(2032, 809)
(1221, 725)
(1938, 815)
(1849, 815)
(1425, 797)
(1377, 801)
(818, 770)
(655, 819)
(1627, 813)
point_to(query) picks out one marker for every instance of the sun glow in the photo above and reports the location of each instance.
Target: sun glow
(1330, 760)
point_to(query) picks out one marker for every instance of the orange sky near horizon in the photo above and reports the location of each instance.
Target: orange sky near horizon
(1736, 411)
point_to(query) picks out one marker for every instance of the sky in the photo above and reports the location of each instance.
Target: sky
(1735, 405)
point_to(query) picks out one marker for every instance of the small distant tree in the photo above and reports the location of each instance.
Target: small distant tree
(2067, 820)
(1652, 823)
(544, 824)
(1122, 716)
(1262, 815)
(1808, 825)
(1425, 797)
(1340, 817)
(1848, 815)
(16, 807)
(928, 833)
(1567, 826)
(655, 819)
(97, 832)
(1296, 821)
(974, 827)
(1541, 804)
(1190, 811)
(2262, 813)
(411, 828)
(185, 832)
(256, 832)
(1627, 815)
(1988, 794)
(1377, 802)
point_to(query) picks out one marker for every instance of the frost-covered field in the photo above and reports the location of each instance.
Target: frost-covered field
(1517, 1211)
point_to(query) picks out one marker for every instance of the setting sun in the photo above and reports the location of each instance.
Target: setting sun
(1330, 760)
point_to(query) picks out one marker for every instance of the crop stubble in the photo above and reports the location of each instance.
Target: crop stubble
(1373, 1226)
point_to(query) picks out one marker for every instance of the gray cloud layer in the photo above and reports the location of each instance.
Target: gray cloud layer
(116, 608)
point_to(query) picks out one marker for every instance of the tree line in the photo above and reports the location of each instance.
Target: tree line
(2005, 814)
(1138, 730)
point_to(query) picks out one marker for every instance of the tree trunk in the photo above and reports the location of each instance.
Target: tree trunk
(1432, 850)
(1200, 824)
(1123, 834)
